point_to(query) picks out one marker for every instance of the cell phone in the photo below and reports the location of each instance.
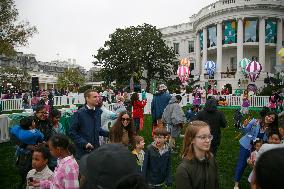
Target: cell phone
(31, 179)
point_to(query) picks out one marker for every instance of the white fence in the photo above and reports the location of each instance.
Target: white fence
(16, 104)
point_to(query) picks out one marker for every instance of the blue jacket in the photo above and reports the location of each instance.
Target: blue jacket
(157, 169)
(159, 103)
(30, 137)
(251, 130)
(86, 128)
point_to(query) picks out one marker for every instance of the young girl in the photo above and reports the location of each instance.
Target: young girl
(198, 168)
(67, 171)
(138, 112)
(122, 130)
(246, 103)
(55, 117)
(251, 160)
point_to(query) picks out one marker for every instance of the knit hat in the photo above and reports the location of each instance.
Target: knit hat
(108, 165)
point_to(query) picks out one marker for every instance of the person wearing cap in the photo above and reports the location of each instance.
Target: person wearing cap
(159, 103)
(85, 126)
(111, 166)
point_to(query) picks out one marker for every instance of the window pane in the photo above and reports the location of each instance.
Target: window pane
(212, 36)
(251, 31)
(176, 48)
(270, 31)
(190, 46)
(230, 32)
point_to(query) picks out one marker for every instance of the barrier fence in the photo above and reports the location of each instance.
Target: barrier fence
(17, 104)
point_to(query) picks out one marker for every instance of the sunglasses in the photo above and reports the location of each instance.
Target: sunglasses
(125, 119)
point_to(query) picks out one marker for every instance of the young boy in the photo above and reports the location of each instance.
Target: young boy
(40, 169)
(138, 150)
(157, 168)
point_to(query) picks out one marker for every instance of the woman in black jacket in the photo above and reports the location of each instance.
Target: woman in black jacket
(215, 119)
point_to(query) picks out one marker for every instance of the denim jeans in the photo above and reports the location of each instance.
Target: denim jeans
(242, 163)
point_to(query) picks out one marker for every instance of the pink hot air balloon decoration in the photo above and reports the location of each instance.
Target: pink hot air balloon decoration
(253, 69)
(183, 71)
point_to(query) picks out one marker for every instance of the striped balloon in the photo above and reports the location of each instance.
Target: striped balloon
(253, 69)
(183, 73)
(210, 67)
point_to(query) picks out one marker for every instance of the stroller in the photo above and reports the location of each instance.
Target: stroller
(238, 116)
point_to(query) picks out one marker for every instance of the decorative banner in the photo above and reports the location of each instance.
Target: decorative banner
(183, 71)
(253, 69)
(243, 63)
(210, 67)
(270, 31)
(230, 32)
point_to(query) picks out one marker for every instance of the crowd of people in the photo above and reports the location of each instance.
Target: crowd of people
(90, 153)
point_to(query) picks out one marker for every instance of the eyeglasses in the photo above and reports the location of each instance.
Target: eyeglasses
(204, 137)
(125, 119)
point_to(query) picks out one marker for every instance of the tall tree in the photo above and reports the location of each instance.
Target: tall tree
(16, 76)
(133, 51)
(71, 78)
(13, 33)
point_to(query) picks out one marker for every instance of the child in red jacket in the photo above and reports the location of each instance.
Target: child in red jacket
(138, 111)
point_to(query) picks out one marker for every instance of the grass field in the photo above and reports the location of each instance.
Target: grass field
(226, 156)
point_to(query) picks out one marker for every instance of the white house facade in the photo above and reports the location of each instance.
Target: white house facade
(226, 32)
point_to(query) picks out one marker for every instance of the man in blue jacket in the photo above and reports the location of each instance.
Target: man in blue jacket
(159, 103)
(86, 125)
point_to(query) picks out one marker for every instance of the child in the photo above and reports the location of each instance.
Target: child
(198, 168)
(40, 169)
(67, 171)
(157, 168)
(246, 103)
(25, 136)
(251, 160)
(274, 137)
(138, 111)
(55, 117)
(191, 113)
(138, 150)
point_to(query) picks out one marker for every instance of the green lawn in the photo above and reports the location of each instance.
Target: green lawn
(226, 156)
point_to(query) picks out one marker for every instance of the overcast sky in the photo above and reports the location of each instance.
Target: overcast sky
(76, 29)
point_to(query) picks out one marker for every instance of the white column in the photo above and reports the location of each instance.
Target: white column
(204, 55)
(279, 40)
(219, 51)
(197, 53)
(262, 43)
(240, 45)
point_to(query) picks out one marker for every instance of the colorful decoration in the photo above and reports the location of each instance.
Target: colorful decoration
(210, 67)
(281, 53)
(183, 71)
(253, 69)
(243, 63)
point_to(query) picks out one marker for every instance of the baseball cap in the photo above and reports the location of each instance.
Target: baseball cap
(162, 87)
(106, 166)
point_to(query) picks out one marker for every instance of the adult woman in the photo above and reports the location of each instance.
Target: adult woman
(43, 123)
(198, 168)
(122, 130)
(255, 128)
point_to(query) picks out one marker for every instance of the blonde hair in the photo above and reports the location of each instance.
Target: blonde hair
(190, 134)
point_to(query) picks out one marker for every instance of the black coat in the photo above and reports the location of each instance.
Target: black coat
(197, 174)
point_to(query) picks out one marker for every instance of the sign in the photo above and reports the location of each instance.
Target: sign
(153, 87)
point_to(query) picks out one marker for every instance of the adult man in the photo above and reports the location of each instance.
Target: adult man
(86, 125)
(159, 103)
